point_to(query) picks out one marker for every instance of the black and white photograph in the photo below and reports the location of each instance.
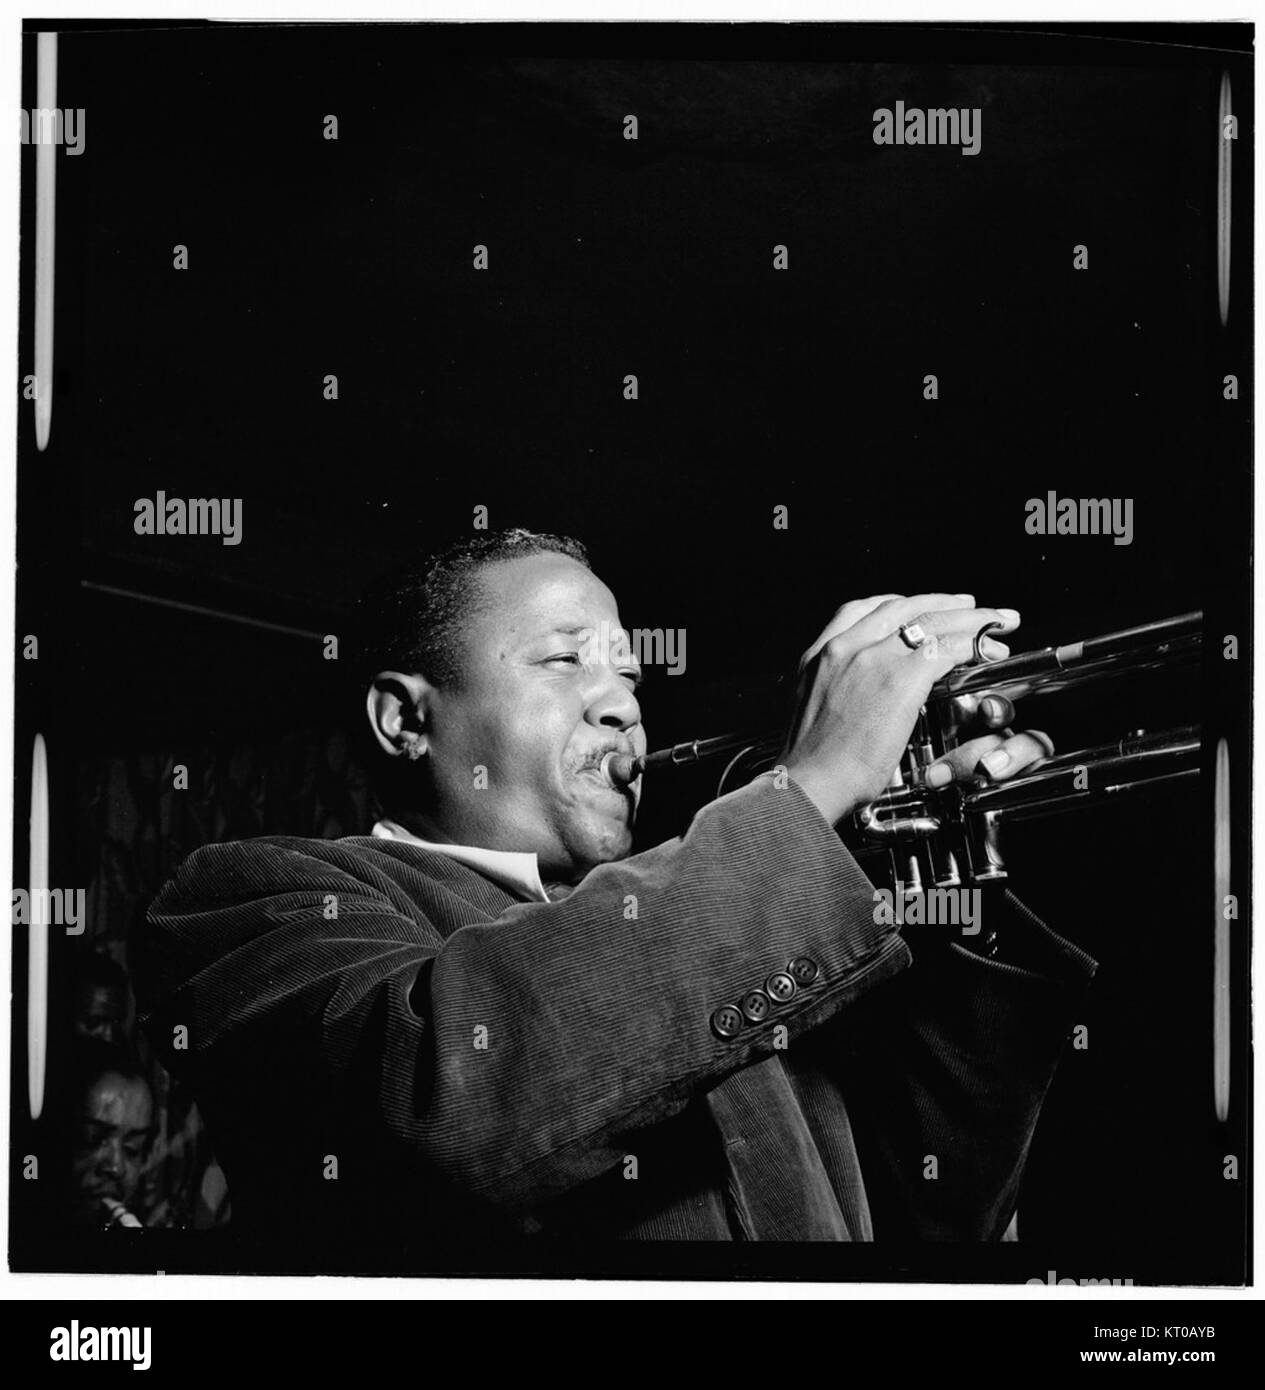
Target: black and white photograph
(632, 654)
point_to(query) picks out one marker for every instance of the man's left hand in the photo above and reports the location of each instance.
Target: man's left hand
(999, 756)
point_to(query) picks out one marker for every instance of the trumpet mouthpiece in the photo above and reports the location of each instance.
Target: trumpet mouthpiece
(119, 1214)
(622, 769)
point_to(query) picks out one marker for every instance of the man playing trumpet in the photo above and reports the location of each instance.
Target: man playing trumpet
(496, 1021)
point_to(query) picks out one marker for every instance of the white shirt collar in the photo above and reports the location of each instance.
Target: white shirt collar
(517, 870)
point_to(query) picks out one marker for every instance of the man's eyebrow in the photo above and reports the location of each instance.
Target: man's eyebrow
(564, 629)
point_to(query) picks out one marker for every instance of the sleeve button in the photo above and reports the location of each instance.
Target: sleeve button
(727, 1022)
(803, 970)
(755, 1005)
(781, 987)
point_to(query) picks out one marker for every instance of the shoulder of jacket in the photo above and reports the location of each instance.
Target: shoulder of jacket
(272, 862)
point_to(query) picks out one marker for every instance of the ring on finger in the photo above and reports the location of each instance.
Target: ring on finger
(912, 635)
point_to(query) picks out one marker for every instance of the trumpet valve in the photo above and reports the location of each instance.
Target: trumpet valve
(944, 866)
(958, 712)
(983, 833)
(910, 885)
(989, 711)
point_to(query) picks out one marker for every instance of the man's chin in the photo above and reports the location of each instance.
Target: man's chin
(600, 844)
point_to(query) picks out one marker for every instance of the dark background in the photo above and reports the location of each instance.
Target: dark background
(757, 388)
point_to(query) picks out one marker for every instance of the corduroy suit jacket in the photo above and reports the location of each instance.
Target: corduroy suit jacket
(382, 1039)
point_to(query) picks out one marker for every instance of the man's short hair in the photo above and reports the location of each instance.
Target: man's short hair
(92, 1059)
(413, 619)
(102, 971)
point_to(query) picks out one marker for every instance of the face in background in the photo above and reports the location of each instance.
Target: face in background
(112, 1136)
(539, 704)
(99, 1012)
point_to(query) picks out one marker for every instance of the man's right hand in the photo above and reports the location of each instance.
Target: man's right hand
(861, 688)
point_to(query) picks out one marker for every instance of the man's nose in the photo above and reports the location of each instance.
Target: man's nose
(613, 704)
(110, 1159)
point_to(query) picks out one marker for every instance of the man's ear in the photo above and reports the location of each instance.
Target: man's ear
(398, 706)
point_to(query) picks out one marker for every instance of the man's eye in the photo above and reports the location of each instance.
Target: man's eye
(572, 657)
(634, 678)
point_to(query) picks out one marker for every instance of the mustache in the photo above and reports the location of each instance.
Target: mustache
(99, 1194)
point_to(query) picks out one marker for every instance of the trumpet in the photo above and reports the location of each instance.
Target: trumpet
(951, 835)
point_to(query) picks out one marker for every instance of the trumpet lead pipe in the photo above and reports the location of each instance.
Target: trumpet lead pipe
(699, 749)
